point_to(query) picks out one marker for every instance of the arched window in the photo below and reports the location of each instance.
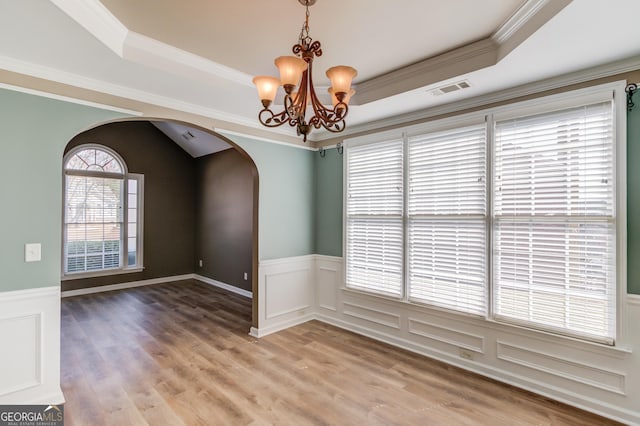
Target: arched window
(102, 229)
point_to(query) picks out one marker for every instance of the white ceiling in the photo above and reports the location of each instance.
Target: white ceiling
(199, 56)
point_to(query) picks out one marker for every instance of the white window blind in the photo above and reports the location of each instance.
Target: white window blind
(93, 223)
(374, 207)
(447, 244)
(554, 221)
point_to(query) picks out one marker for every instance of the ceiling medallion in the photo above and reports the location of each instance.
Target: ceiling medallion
(296, 72)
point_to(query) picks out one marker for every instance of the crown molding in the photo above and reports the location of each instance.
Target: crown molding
(76, 80)
(465, 59)
(229, 133)
(582, 76)
(69, 99)
(223, 121)
(528, 19)
(94, 17)
(516, 21)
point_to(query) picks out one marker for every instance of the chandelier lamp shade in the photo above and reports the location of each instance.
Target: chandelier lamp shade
(302, 108)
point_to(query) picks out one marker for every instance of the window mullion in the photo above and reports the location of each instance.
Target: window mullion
(406, 165)
(489, 218)
(125, 223)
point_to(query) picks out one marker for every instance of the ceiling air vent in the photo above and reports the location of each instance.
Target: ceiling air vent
(454, 87)
(188, 136)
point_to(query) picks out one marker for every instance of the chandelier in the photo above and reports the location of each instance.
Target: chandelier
(302, 108)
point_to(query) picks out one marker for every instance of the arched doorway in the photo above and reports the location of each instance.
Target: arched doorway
(178, 161)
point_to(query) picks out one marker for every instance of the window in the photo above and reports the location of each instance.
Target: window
(374, 217)
(554, 222)
(539, 251)
(102, 213)
(446, 219)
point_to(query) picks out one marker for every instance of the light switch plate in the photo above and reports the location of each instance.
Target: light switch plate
(32, 252)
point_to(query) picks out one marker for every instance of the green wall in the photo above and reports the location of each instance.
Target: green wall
(286, 210)
(633, 200)
(35, 131)
(328, 203)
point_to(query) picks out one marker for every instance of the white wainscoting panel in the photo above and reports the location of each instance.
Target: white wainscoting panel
(374, 316)
(446, 334)
(328, 282)
(23, 349)
(564, 368)
(30, 355)
(286, 292)
(286, 289)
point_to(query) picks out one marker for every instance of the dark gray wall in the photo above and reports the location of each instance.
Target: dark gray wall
(224, 218)
(169, 198)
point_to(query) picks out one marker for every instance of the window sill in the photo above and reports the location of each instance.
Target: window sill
(102, 273)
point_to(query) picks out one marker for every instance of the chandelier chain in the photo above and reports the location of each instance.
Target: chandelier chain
(304, 37)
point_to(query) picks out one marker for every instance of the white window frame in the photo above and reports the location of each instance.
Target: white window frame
(124, 238)
(545, 104)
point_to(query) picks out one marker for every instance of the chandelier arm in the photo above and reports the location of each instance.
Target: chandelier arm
(330, 121)
(303, 94)
(312, 93)
(270, 119)
(290, 107)
(322, 115)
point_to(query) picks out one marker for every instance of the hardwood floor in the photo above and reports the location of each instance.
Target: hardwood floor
(179, 353)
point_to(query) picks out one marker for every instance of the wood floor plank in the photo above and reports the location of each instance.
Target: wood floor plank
(179, 353)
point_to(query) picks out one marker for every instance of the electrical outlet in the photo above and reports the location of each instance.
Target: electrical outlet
(246, 276)
(200, 263)
(465, 353)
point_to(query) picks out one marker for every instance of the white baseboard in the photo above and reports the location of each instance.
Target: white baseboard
(273, 328)
(122, 286)
(30, 331)
(220, 284)
(153, 281)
